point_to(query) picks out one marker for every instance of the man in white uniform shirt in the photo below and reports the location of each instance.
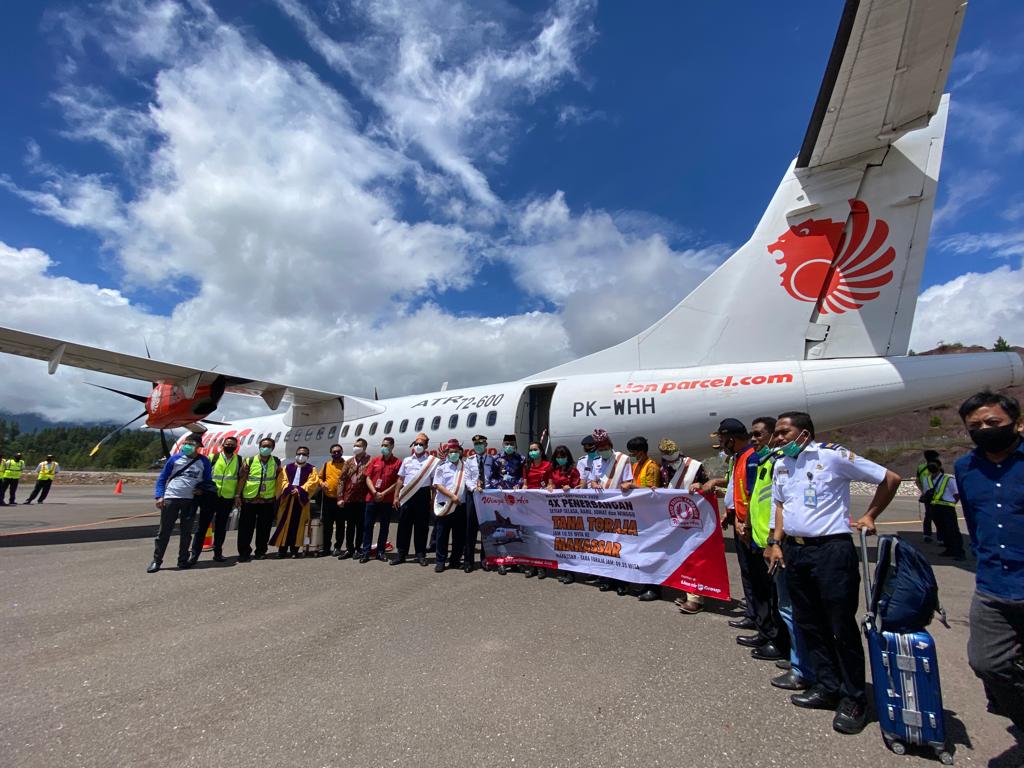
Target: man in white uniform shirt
(454, 479)
(412, 500)
(811, 522)
(589, 465)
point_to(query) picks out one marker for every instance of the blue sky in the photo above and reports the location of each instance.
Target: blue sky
(356, 173)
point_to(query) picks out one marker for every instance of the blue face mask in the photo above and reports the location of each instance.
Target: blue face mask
(762, 452)
(793, 448)
(510, 449)
(266, 450)
(188, 449)
(561, 460)
(385, 451)
(591, 455)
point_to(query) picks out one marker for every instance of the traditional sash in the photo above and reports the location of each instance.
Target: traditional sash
(614, 478)
(685, 475)
(417, 483)
(442, 504)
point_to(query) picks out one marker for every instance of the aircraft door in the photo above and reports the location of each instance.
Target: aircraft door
(533, 416)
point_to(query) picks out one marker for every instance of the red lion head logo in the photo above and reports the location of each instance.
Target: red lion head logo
(813, 272)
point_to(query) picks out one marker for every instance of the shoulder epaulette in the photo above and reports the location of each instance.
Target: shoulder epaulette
(833, 446)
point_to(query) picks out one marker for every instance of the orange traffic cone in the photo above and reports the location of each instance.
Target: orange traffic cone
(119, 488)
(208, 540)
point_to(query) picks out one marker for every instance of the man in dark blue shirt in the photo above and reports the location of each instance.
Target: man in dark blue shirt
(991, 484)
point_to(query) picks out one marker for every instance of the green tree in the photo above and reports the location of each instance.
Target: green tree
(1001, 345)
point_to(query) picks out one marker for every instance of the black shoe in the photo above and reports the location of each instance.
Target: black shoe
(439, 568)
(604, 586)
(345, 555)
(382, 558)
(193, 559)
(567, 578)
(422, 560)
(502, 570)
(153, 567)
(790, 681)
(244, 559)
(260, 557)
(647, 596)
(743, 623)
(282, 555)
(218, 557)
(467, 568)
(815, 698)
(783, 664)
(364, 559)
(851, 717)
(184, 565)
(29, 501)
(530, 572)
(767, 652)
(454, 565)
(398, 560)
(542, 573)
(752, 641)
(622, 590)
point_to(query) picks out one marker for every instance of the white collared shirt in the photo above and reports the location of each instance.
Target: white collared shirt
(447, 474)
(412, 466)
(814, 489)
(589, 469)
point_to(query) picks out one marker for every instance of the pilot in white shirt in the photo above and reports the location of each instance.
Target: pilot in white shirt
(821, 568)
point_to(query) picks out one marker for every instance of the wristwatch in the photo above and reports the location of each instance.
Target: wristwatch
(774, 542)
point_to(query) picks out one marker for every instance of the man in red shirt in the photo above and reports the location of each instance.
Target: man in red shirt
(381, 477)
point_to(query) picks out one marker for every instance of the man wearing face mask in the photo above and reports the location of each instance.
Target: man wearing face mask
(990, 481)
(301, 481)
(485, 465)
(734, 441)
(381, 480)
(452, 480)
(683, 473)
(175, 498)
(412, 500)
(331, 510)
(812, 543)
(509, 464)
(258, 490)
(226, 468)
(616, 470)
(589, 465)
(352, 497)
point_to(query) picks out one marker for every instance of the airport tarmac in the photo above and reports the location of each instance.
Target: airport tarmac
(326, 663)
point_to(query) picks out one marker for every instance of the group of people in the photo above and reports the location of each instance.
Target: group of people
(786, 495)
(11, 471)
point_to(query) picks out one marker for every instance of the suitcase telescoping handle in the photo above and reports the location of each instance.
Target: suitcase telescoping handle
(869, 617)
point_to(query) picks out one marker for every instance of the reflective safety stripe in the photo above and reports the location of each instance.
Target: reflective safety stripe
(760, 512)
(225, 475)
(48, 471)
(12, 470)
(940, 489)
(262, 479)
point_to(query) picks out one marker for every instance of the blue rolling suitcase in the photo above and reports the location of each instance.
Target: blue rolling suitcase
(904, 671)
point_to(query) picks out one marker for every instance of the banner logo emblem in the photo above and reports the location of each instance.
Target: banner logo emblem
(683, 513)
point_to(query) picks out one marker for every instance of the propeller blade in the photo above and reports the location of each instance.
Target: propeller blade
(375, 395)
(163, 444)
(132, 395)
(145, 343)
(216, 423)
(95, 450)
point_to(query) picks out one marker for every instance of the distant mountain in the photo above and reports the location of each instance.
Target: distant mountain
(33, 422)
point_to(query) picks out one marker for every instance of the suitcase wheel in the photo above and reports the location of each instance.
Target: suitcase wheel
(898, 747)
(944, 756)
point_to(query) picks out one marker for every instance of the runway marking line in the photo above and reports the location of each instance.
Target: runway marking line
(57, 529)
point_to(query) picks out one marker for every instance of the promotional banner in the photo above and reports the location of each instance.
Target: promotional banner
(645, 536)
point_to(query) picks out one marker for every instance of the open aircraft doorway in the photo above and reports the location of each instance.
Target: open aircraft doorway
(533, 416)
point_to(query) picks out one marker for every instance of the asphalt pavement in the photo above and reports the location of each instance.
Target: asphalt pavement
(316, 662)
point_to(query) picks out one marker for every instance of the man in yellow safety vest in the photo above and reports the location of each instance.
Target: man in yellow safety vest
(259, 485)
(45, 473)
(216, 507)
(12, 474)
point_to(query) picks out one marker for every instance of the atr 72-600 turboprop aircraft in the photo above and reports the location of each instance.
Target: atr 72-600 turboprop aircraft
(835, 262)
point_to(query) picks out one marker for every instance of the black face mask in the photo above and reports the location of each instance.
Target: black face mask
(229, 449)
(995, 439)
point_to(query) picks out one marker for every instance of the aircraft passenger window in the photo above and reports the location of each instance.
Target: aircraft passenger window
(435, 424)
(492, 418)
(387, 427)
(359, 429)
(419, 425)
(404, 425)
(309, 434)
(344, 431)
(471, 419)
(261, 437)
(251, 438)
(287, 436)
(332, 432)
(277, 438)
(453, 422)
(373, 428)
(320, 434)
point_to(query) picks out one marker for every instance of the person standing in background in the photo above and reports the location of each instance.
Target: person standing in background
(45, 472)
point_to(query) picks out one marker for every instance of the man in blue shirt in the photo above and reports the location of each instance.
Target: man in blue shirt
(991, 484)
(176, 489)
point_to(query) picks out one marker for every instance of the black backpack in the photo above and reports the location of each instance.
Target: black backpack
(905, 595)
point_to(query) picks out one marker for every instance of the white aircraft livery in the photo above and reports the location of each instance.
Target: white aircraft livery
(836, 263)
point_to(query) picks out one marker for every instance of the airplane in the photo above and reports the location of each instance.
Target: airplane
(835, 263)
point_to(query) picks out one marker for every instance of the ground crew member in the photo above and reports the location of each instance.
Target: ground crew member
(732, 438)
(991, 484)
(811, 541)
(944, 499)
(3, 479)
(45, 472)
(175, 493)
(257, 496)
(12, 475)
(216, 507)
(923, 481)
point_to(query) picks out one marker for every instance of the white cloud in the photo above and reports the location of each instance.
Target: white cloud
(991, 244)
(971, 64)
(960, 191)
(974, 308)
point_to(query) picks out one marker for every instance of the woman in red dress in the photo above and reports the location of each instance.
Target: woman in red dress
(564, 477)
(536, 475)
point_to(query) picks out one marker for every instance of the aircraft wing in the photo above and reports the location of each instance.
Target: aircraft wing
(885, 76)
(58, 352)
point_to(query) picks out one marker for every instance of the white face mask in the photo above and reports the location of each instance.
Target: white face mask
(418, 450)
(301, 458)
(358, 450)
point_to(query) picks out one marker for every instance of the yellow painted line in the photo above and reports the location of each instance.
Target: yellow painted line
(30, 531)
